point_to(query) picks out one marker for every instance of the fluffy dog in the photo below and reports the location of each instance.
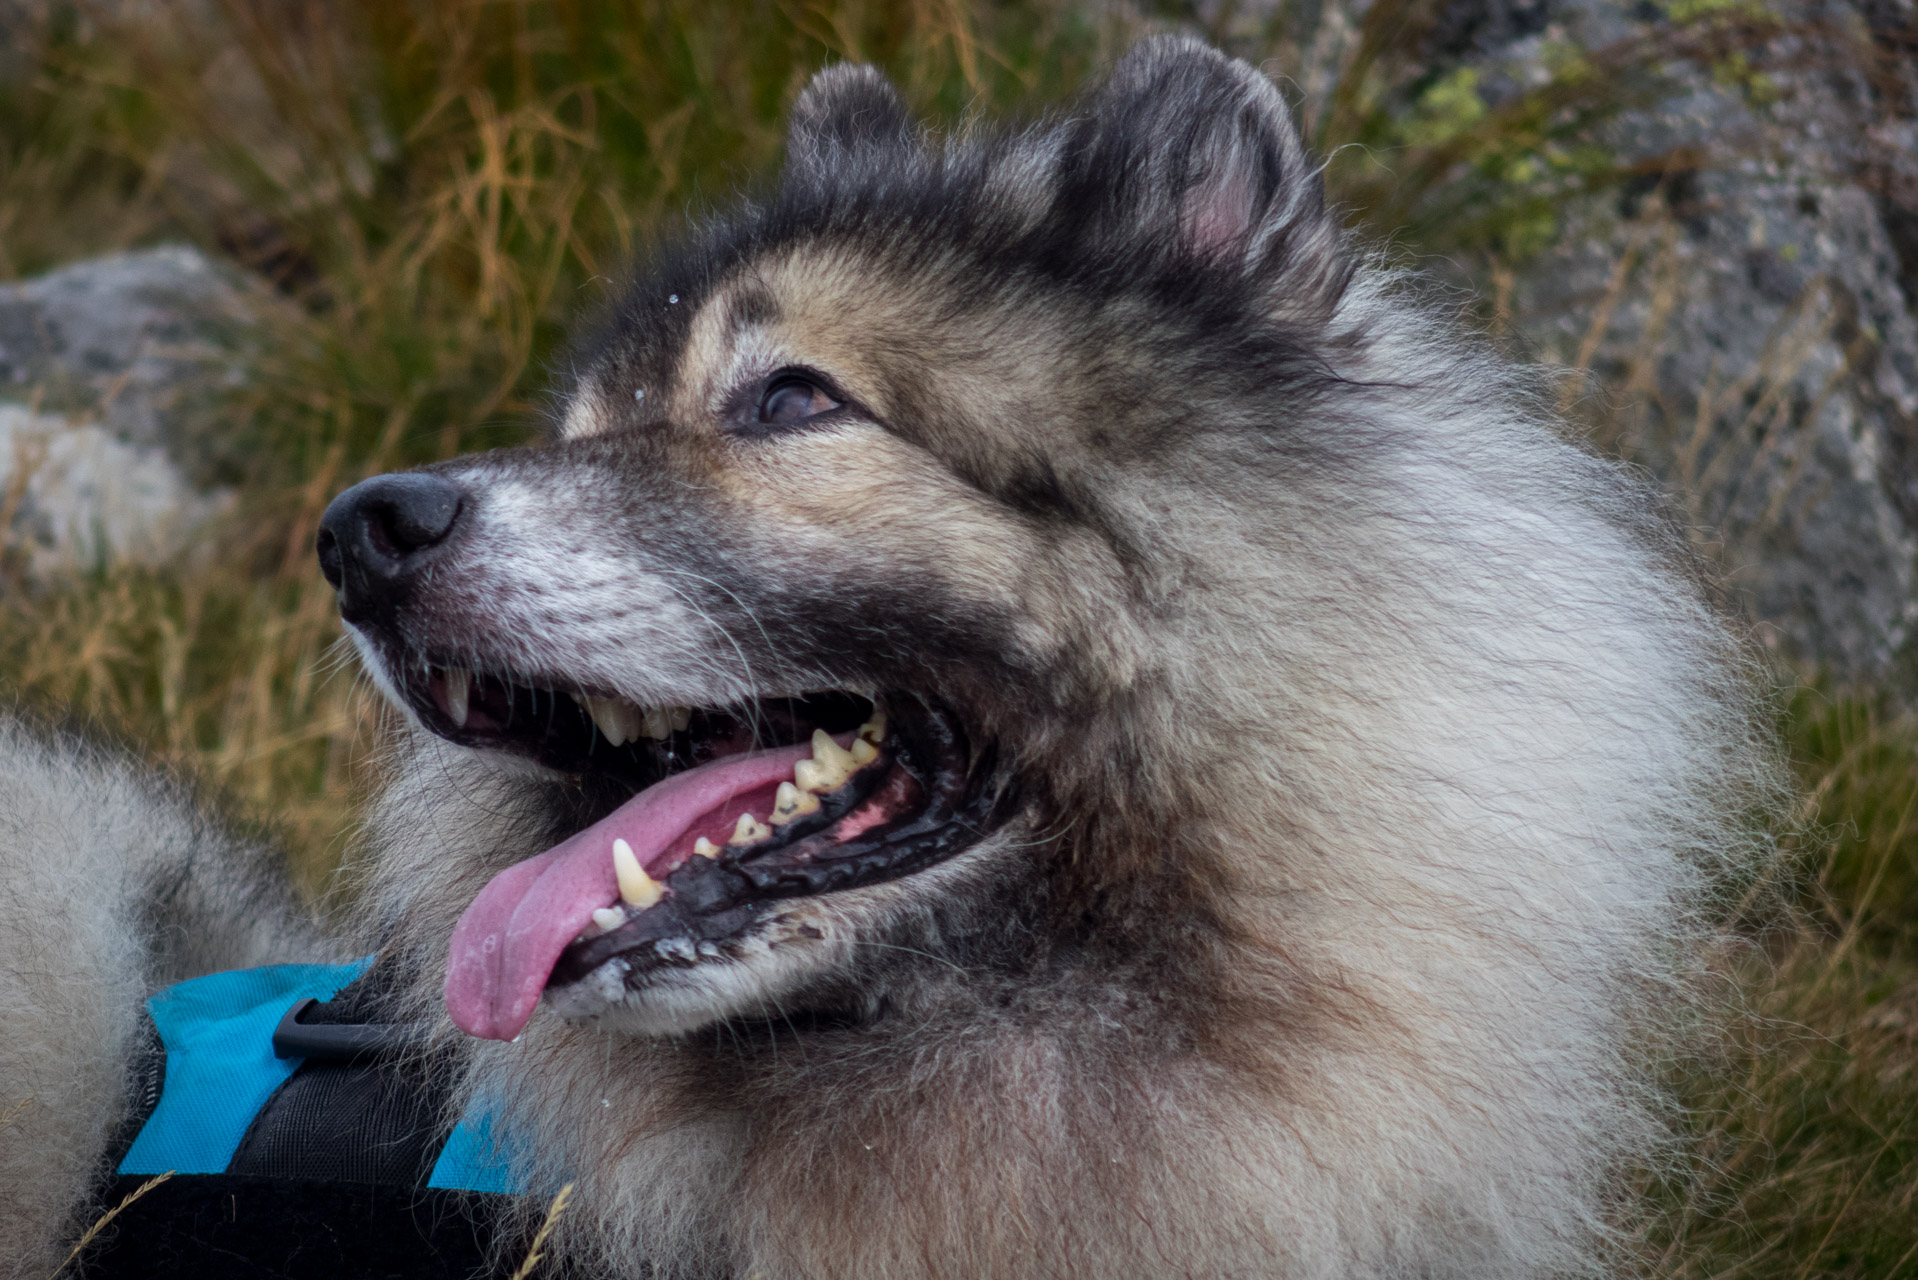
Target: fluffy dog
(1037, 715)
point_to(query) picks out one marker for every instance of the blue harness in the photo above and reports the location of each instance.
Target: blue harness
(222, 1069)
(301, 1139)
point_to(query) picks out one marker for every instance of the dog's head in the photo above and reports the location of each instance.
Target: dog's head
(862, 555)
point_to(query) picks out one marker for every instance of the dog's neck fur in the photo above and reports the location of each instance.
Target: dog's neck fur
(1377, 798)
(1181, 1077)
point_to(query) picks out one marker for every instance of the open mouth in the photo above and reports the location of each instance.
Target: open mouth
(732, 810)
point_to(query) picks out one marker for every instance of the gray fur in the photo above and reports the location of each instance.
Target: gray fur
(113, 882)
(1380, 760)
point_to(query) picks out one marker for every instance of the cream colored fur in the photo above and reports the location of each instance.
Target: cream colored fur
(1427, 753)
(113, 882)
(1469, 757)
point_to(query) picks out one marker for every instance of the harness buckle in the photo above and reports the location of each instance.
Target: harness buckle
(341, 1041)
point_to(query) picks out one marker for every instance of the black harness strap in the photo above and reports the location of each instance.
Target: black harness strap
(227, 1227)
(364, 1106)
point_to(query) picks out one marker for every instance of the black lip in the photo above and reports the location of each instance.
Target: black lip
(711, 903)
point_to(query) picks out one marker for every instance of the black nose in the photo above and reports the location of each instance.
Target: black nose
(375, 534)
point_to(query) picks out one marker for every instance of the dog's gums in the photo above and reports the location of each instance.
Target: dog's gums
(733, 810)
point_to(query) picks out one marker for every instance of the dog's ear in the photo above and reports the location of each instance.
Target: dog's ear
(848, 113)
(1197, 152)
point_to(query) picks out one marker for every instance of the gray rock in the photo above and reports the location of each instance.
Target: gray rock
(1761, 354)
(78, 497)
(111, 372)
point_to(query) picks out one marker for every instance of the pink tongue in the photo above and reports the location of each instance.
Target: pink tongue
(505, 946)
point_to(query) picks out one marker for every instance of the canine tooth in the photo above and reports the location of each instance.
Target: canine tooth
(636, 888)
(790, 802)
(863, 752)
(748, 830)
(617, 718)
(609, 918)
(602, 716)
(458, 684)
(874, 730)
(705, 848)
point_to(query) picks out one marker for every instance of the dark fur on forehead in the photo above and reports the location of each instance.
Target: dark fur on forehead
(1180, 184)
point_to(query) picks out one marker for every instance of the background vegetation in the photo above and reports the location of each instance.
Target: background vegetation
(431, 188)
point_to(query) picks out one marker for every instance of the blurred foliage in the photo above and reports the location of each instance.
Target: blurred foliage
(1451, 155)
(1803, 1126)
(430, 189)
(434, 188)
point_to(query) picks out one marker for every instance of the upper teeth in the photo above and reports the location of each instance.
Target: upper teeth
(618, 719)
(458, 683)
(620, 722)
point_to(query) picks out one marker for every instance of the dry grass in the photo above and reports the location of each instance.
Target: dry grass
(1805, 1125)
(105, 1220)
(533, 1255)
(435, 186)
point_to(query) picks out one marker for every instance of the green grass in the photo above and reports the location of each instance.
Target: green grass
(435, 187)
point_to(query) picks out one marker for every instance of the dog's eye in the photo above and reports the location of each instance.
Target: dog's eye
(791, 399)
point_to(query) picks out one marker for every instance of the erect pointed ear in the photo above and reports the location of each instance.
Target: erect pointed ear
(848, 112)
(1197, 152)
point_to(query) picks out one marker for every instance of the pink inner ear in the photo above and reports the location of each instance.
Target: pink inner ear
(1216, 215)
